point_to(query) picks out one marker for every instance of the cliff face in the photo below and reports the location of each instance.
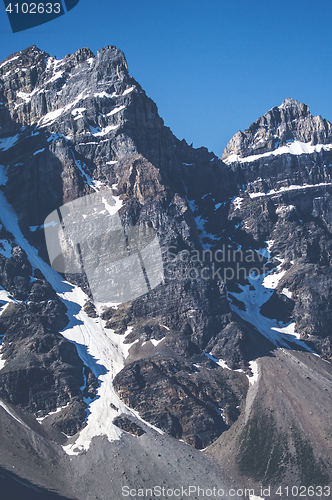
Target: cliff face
(244, 247)
(81, 126)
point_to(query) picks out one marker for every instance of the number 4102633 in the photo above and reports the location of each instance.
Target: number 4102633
(304, 491)
(34, 8)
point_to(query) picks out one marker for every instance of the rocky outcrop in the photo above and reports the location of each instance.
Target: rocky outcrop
(124, 423)
(289, 122)
(192, 402)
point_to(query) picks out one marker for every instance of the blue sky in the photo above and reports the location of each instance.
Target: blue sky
(212, 66)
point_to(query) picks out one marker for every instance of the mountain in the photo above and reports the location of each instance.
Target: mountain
(292, 185)
(152, 293)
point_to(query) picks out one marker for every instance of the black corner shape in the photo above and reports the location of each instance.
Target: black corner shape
(70, 4)
(25, 15)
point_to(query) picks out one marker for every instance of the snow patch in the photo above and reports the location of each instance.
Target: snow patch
(90, 60)
(25, 96)
(221, 363)
(115, 208)
(115, 110)
(237, 202)
(136, 414)
(200, 223)
(98, 132)
(9, 60)
(272, 279)
(78, 113)
(2, 310)
(103, 306)
(50, 117)
(5, 296)
(2, 362)
(254, 368)
(156, 342)
(87, 143)
(203, 234)
(104, 94)
(294, 148)
(269, 244)
(58, 74)
(287, 292)
(127, 91)
(253, 295)
(293, 187)
(40, 419)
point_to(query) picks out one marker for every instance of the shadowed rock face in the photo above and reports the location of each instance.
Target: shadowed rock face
(180, 398)
(42, 370)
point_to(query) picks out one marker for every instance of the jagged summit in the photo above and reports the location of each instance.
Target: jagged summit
(32, 50)
(291, 121)
(289, 102)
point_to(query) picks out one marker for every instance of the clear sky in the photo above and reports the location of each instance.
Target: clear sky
(211, 66)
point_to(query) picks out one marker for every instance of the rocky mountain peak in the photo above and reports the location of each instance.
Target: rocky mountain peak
(289, 102)
(36, 88)
(289, 122)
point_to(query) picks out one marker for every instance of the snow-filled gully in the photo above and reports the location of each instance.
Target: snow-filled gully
(253, 295)
(98, 348)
